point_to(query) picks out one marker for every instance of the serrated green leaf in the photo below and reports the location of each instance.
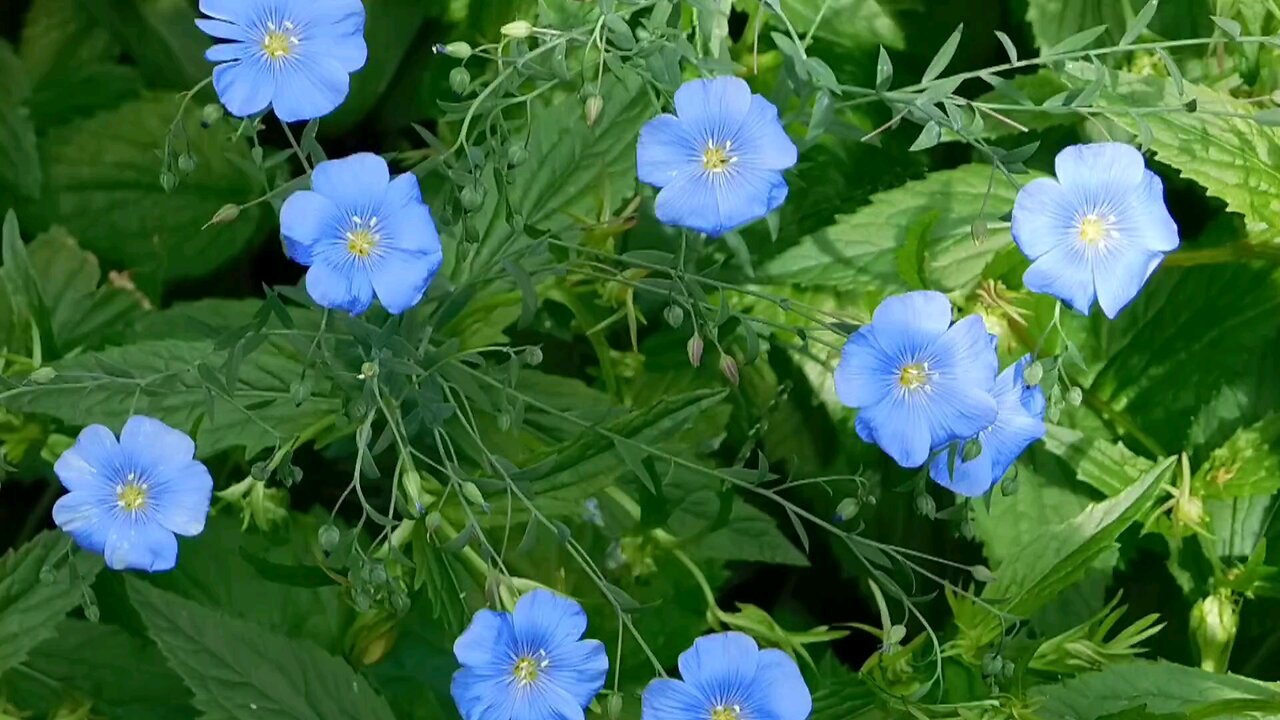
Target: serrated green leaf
(241, 671)
(1247, 464)
(104, 176)
(861, 249)
(846, 24)
(19, 158)
(1108, 466)
(30, 608)
(160, 379)
(1162, 687)
(1038, 572)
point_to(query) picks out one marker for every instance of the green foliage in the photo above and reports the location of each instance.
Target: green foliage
(39, 583)
(1160, 688)
(19, 158)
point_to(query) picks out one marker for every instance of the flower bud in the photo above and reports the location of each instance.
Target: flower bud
(210, 114)
(847, 508)
(533, 356)
(472, 493)
(225, 214)
(516, 155)
(1074, 396)
(471, 198)
(1033, 374)
(459, 50)
(368, 371)
(695, 350)
(926, 506)
(329, 537)
(593, 107)
(186, 162)
(459, 79)
(971, 449)
(42, 375)
(613, 707)
(1214, 622)
(978, 230)
(674, 315)
(168, 180)
(432, 521)
(517, 29)
(729, 367)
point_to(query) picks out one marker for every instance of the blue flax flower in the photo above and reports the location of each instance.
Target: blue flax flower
(726, 676)
(362, 232)
(718, 160)
(294, 55)
(1098, 231)
(530, 664)
(128, 499)
(919, 381)
(1019, 422)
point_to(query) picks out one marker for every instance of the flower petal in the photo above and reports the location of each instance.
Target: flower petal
(579, 669)
(720, 665)
(403, 191)
(1120, 274)
(666, 150)
(400, 278)
(690, 202)
(140, 545)
(1043, 217)
(666, 699)
(553, 703)
(761, 141)
(244, 87)
(305, 218)
(713, 108)
(866, 373)
(309, 86)
(900, 426)
(1011, 437)
(347, 288)
(905, 324)
(92, 463)
(86, 517)
(1147, 223)
(223, 30)
(229, 52)
(547, 620)
(348, 50)
(409, 228)
(1064, 273)
(154, 446)
(483, 695)
(354, 183)
(487, 641)
(1092, 171)
(780, 688)
(748, 194)
(236, 11)
(178, 497)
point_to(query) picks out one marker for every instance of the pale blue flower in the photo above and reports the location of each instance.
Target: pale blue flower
(918, 381)
(293, 55)
(362, 233)
(1019, 423)
(531, 664)
(718, 160)
(129, 498)
(1098, 231)
(726, 676)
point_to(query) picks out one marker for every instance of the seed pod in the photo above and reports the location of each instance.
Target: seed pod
(674, 315)
(471, 198)
(329, 537)
(459, 80)
(225, 214)
(186, 162)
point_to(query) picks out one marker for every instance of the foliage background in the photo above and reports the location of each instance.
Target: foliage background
(547, 376)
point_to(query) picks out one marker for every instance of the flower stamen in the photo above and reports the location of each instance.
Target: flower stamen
(529, 667)
(1094, 230)
(131, 495)
(716, 158)
(363, 236)
(913, 375)
(278, 43)
(726, 712)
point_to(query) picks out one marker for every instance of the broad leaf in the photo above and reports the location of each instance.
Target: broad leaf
(846, 24)
(104, 177)
(1052, 21)
(19, 159)
(30, 607)
(1247, 464)
(861, 249)
(240, 671)
(1039, 571)
(160, 35)
(1162, 687)
(1107, 466)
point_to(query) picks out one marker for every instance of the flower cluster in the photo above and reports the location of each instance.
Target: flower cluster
(531, 664)
(924, 386)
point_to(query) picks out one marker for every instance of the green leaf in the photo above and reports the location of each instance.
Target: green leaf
(414, 676)
(1078, 41)
(943, 58)
(24, 289)
(1052, 21)
(1140, 22)
(1247, 464)
(861, 249)
(85, 658)
(160, 379)
(847, 24)
(105, 178)
(159, 35)
(57, 34)
(1039, 571)
(240, 671)
(30, 607)
(19, 158)
(1107, 466)
(1162, 687)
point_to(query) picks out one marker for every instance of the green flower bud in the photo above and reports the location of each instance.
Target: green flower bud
(592, 108)
(674, 315)
(1033, 374)
(695, 348)
(1214, 622)
(42, 375)
(168, 180)
(225, 214)
(729, 367)
(186, 162)
(471, 198)
(459, 80)
(516, 155)
(847, 508)
(1074, 396)
(329, 538)
(459, 50)
(210, 114)
(517, 29)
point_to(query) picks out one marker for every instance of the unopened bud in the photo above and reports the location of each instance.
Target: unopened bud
(517, 29)
(847, 508)
(329, 537)
(459, 80)
(971, 449)
(459, 50)
(210, 114)
(516, 155)
(729, 367)
(1033, 374)
(1074, 396)
(225, 214)
(533, 356)
(695, 350)
(926, 506)
(594, 106)
(42, 375)
(978, 230)
(613, 707)
(168, 180)
(472, 493)
(368, 371)
(432, 521)
(674, 315)
(1214, 622)
(471, 198)
(187, 162)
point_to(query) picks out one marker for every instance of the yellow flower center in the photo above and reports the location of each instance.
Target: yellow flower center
(726, 712)
(1093, 230)
(278, 43)
(716, 157)
(132, 495)
(913, 376)
(360, 242)
(526, 670)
